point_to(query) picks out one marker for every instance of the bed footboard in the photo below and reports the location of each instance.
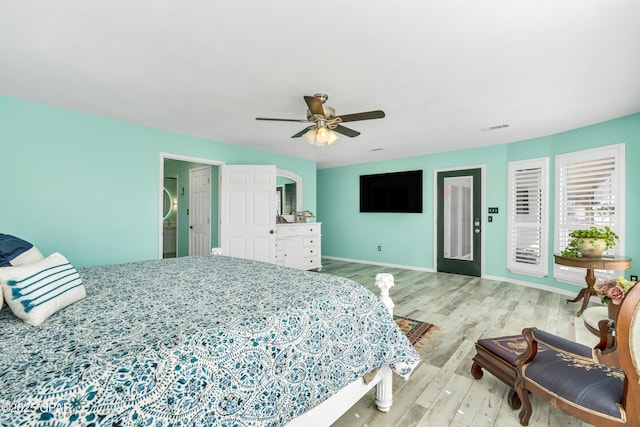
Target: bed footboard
(333, 408)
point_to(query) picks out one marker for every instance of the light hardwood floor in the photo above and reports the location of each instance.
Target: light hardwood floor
(441, 391)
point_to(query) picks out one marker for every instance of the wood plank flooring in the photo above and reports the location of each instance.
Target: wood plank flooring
(442, 392)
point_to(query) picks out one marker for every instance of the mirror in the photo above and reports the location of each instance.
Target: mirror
(289, 194)
(166, 204)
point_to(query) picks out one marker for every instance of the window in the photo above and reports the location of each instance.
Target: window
(589, 192)
(527, 221)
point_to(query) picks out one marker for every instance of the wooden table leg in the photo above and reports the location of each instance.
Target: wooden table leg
(586, 293)
(590, 278)
(579, 296)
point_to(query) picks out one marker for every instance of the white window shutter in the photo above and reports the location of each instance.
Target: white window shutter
(527, 222)
(589, 192)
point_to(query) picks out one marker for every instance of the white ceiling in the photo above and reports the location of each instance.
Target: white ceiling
(441, 69)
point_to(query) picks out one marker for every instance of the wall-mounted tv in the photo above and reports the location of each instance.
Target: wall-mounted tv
(391, 192)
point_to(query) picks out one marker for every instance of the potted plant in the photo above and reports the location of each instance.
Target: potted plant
(590, 242)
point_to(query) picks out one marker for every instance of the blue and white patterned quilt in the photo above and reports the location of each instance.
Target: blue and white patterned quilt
(196, 341)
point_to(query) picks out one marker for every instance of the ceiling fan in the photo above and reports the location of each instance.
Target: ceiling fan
(325, 122)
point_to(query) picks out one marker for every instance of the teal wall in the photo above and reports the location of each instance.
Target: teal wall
(87, 186)
(407, 239)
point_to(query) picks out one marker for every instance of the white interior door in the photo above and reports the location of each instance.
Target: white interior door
(248, 211)
(200, 211)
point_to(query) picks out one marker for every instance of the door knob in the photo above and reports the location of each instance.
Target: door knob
(272, 231)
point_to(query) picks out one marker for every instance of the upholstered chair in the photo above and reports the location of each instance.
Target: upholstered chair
(600, 386)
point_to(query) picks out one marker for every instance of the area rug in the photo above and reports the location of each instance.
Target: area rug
(415, 330)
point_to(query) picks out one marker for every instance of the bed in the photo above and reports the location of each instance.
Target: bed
(212, 340)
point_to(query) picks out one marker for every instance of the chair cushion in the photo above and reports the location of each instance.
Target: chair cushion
(507, 348)
(578, 381)
(564, 345)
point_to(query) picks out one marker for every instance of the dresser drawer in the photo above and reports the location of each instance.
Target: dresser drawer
(310, 241)
(288, 230)
(311, 262)
(312, 251)
(310, 229)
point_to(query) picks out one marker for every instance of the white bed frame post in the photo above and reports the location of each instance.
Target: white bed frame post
(384, 389)
(332, 408)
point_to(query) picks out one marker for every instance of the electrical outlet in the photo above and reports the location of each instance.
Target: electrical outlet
(634, 278)
(379, 248)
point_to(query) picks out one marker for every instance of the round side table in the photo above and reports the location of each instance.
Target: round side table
(591, 264)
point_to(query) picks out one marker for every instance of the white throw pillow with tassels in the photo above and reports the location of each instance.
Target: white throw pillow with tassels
(36, 291)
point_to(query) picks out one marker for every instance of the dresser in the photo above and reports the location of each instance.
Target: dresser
(298, 245)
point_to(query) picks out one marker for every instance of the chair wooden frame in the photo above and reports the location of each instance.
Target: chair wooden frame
(501, 369)
(619, 354)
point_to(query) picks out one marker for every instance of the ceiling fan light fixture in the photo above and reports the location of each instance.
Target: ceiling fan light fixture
(311, 136)
(321, 136)
(324, 121)
(333, 137)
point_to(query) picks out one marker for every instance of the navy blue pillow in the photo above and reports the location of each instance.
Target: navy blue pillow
(15, 251)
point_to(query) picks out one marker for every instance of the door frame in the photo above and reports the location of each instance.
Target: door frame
(169, 156)
(482, 168)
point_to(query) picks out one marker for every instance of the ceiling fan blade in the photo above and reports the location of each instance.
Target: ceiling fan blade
(346, 131)
(302, 132)
(377, 114)
(284, 120)
(315, 105)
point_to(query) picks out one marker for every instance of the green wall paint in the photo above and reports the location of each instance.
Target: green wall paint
(87, 186)
(407, 239)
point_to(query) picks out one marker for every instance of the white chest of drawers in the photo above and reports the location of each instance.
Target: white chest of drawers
(298, 245)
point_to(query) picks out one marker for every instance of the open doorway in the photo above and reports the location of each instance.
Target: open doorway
(176, 227)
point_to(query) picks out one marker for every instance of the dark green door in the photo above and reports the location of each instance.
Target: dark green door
(459, 222)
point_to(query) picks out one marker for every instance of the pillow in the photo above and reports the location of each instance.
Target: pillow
(15, 251)
(36, 291)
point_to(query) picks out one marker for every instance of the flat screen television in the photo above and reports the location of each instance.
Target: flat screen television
(391, 192)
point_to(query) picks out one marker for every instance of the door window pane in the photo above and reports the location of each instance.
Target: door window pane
(458, 214)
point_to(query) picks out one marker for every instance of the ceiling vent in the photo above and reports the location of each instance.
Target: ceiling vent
(496, 127)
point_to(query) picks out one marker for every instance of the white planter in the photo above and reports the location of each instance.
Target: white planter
(591, 248)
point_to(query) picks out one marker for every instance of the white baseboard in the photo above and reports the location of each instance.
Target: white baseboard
(488, 277)
(383, 264)
(535, 285)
